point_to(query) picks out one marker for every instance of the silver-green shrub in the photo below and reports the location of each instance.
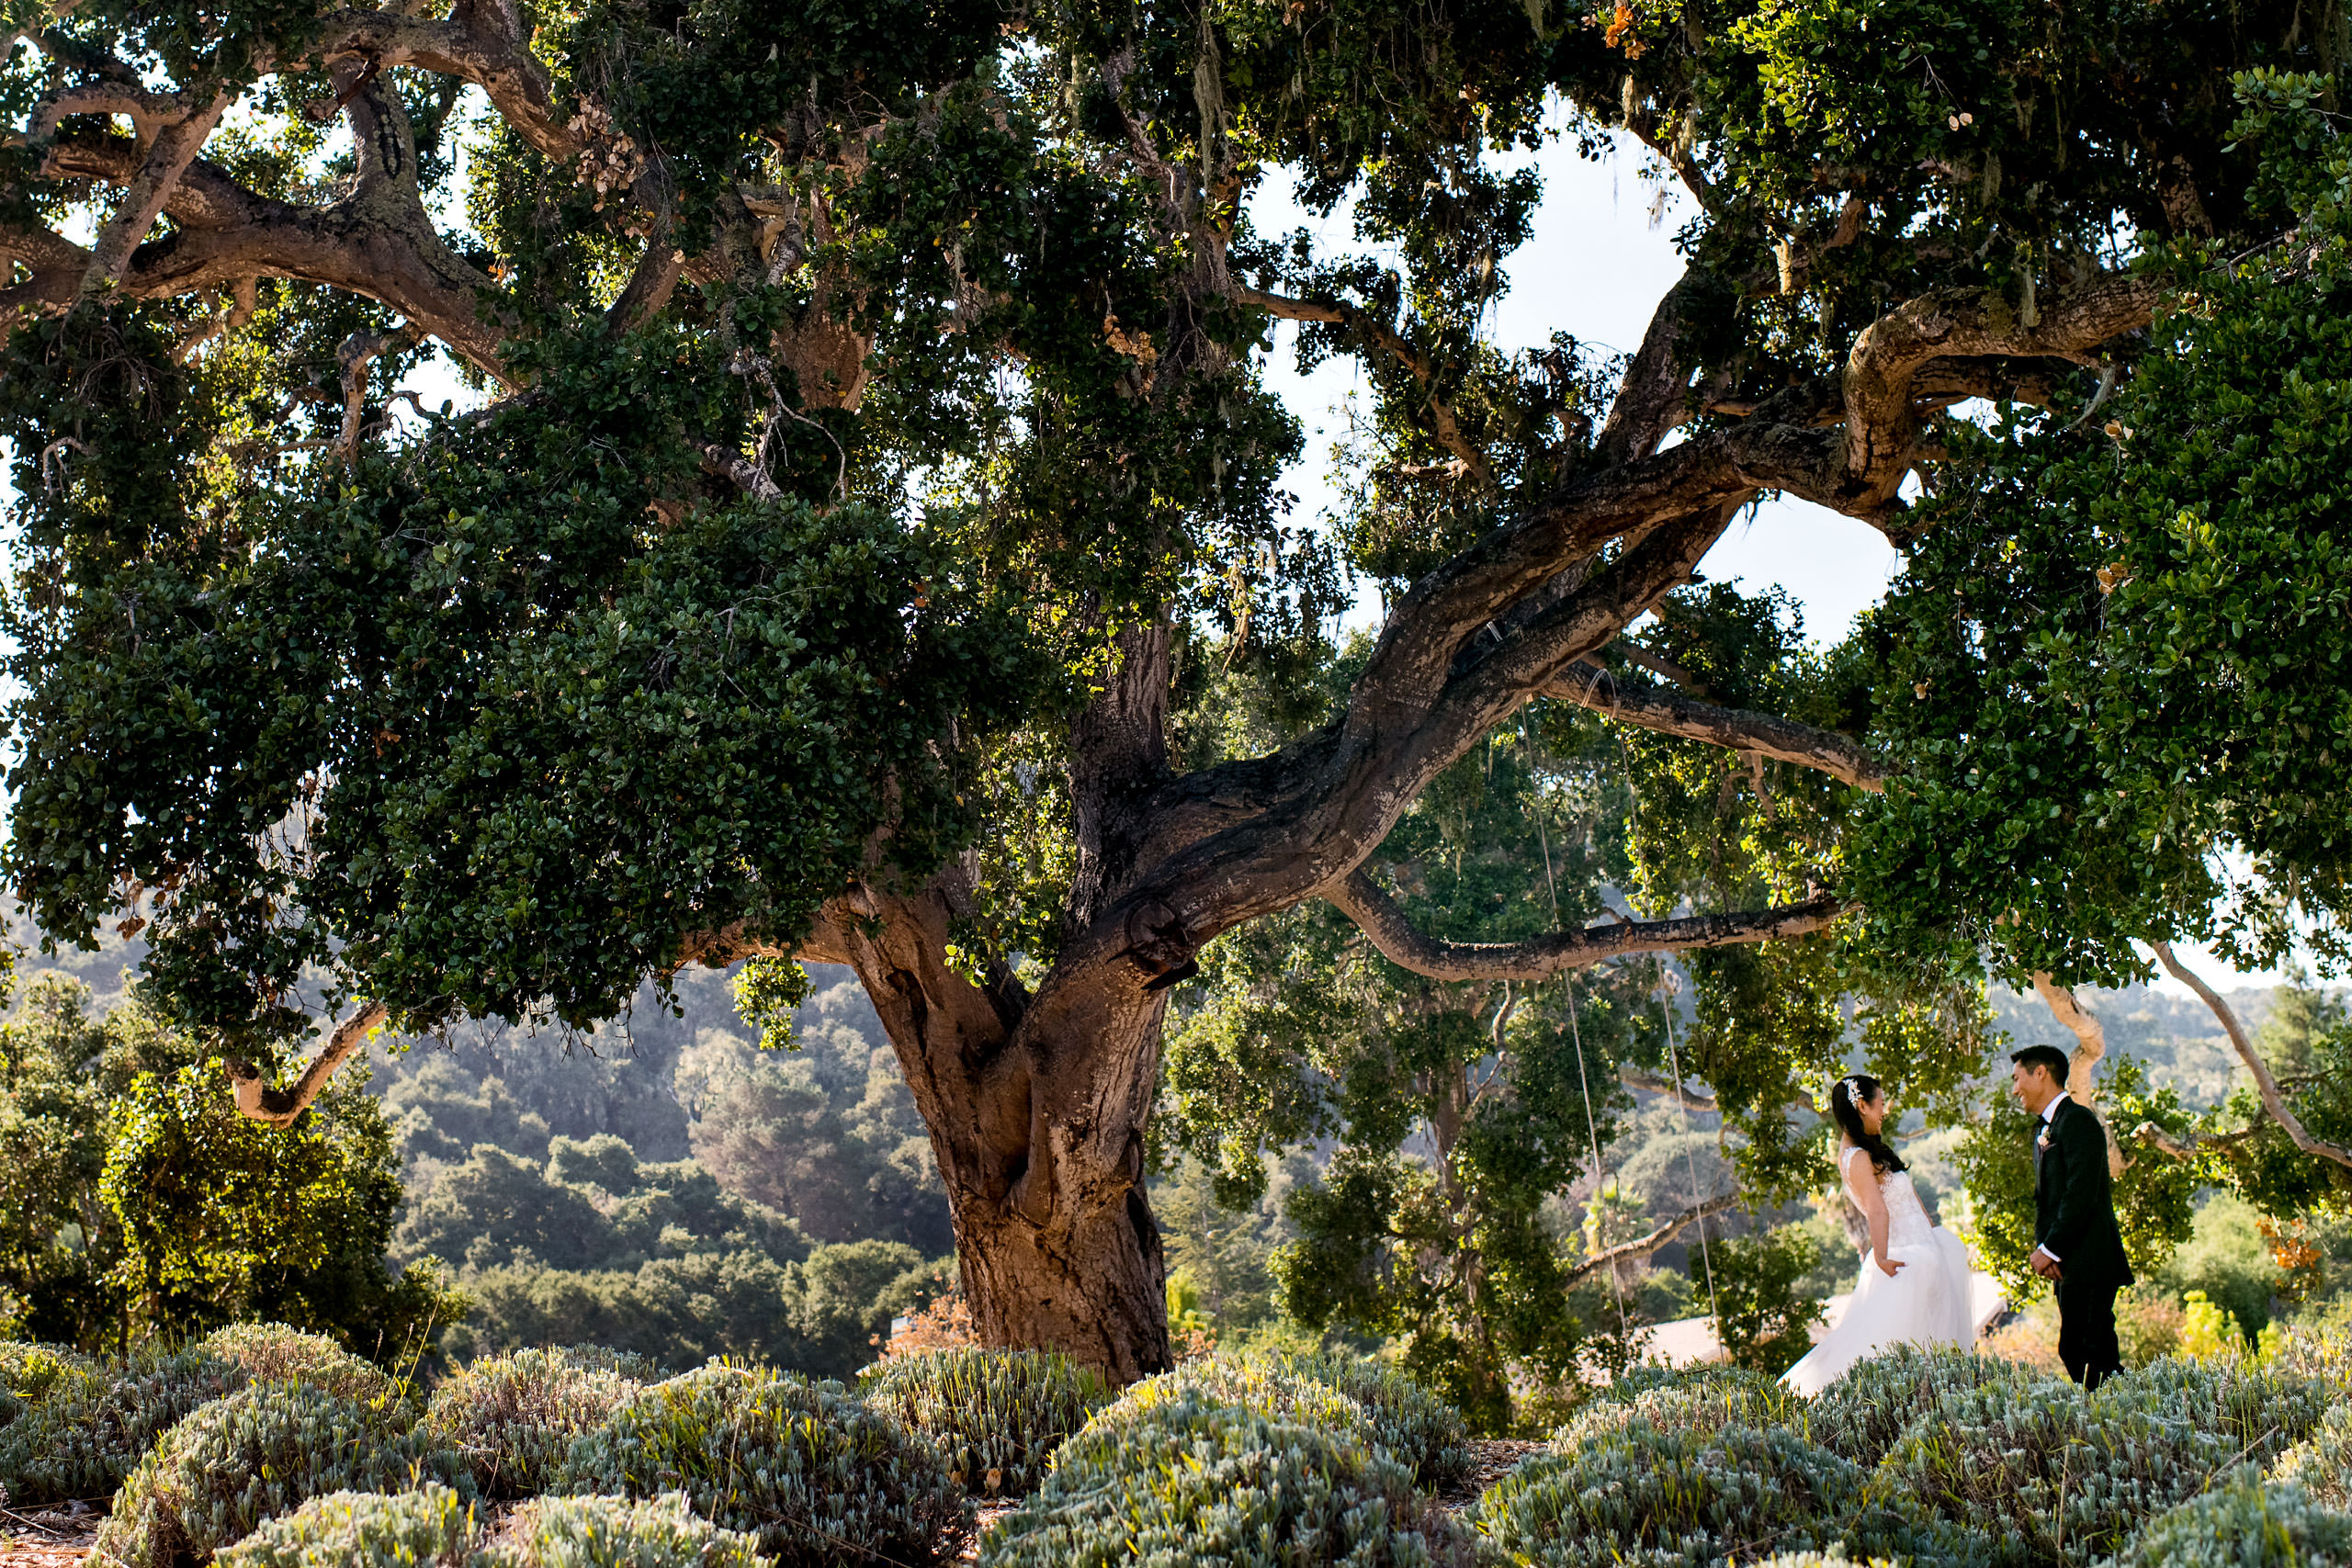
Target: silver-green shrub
(818, 1476)
(28, 1370)
(2263, 1411)
(2244, 1524)
(2053, 1476)
(1731, 1396)
(515, 1417)
(997, 1415)
(1195, 1483)
(620, 1532)
(271, 1352)
(256, 1454)
(429, 1527)
(1403, 1416)
(1835, 1557)
(1341, 1395)
(2320, 1351)
(2321, 1464)
(1637, 1494)
(1864, 1413)
(90, 1422)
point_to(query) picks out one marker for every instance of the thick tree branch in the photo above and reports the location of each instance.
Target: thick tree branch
(1654, 396)
(172, 149)
(377, 242)
(2265, 1083)
(1246, 838)
(1881, 419)
(1539, 958)
(1460, 653)
(1735, 729)
(482, 41)
(264, 1101)
(1643, 1246)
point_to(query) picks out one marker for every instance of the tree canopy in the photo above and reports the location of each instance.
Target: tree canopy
(870, 546)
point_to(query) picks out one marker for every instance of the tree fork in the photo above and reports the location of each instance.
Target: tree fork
(1037, 1127)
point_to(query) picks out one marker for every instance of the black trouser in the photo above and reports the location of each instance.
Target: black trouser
(2086, 1333)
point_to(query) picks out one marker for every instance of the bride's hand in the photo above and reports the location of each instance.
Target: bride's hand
(1889, 1267)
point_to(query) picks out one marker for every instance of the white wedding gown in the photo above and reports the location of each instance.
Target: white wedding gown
(1924, 1303)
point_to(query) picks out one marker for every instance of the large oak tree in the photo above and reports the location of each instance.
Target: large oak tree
(868, 546)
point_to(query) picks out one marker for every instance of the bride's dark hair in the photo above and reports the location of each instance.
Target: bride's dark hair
(1852, 1092)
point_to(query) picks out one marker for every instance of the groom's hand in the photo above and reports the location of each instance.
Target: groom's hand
(2045, 1265)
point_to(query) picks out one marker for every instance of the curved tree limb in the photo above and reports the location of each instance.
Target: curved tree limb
(1539, 958)
(482, 41)
(2265, 1083)
(2090, 1046)
(1881, 421)
(1643, 1245)
(1735, 729)
(377, 242)
(264, 1101)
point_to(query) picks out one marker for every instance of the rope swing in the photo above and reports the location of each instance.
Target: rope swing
(1575, 1034)
(1674, 1062)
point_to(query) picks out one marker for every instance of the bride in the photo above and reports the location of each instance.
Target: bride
(1914, 1286)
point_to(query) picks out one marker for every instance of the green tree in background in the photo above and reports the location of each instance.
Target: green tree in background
(141, 1205)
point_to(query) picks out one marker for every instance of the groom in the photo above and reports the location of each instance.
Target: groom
(2076, 1246)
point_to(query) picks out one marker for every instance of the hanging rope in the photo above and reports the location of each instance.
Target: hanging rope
(1616, 1285)
(1575, 1034)
(1674, 1061)
(1674, 1064)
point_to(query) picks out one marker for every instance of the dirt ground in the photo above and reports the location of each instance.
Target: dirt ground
(48, 1538)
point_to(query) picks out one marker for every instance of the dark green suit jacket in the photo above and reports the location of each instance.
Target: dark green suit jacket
(2074, 1199)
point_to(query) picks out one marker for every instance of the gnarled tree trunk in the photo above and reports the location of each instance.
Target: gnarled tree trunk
(1038, 1130)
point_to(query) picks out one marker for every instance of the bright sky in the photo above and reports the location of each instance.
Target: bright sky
(1596, 267)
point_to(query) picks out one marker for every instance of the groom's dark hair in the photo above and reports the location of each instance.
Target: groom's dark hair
(2051, 1059)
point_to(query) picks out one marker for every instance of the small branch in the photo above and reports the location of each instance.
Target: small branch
(1734, 729)
(263, 1101)
(1538, 958)
(1658, 664)
(1384, 338)
(1652, 1083)
(1643, 1245)
(359, 351)
(2264, 1084)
